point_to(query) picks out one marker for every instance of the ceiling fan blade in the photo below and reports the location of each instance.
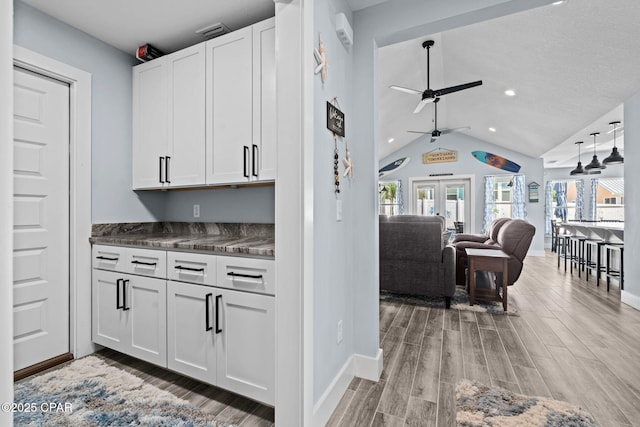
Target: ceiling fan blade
(457, 88)
(406, 89)
(446, 131)
(420, 132)
(421, 105)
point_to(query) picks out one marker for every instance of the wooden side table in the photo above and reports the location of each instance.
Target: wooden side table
(487, 260)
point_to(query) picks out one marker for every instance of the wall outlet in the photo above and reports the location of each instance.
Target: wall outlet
(196, 211)
(339, 332)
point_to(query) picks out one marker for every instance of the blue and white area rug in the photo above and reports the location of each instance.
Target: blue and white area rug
(479, 405)
(88, 392)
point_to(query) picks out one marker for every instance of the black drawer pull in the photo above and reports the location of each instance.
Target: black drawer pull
(118, 306)
(124, 295)
(179, 267)
(249, 276)
(245, 159)
(207, 321)
(135, 261)
(254, 161)
(166, 170)
(218, 328)
(106, 258)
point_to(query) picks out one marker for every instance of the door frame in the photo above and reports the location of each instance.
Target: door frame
(472, 193)
(79, 82)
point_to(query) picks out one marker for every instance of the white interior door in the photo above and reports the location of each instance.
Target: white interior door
(450, 198)
(41, 218)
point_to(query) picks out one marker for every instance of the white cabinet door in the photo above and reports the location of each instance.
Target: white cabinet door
(186, 122)
(149, 124)
(108, 321)
(246, 344)
(264, 101)
(145, 305)
(191, 330)
(229, 107)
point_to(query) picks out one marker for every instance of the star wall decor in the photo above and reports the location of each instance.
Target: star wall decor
(321, 58)
(348, 162)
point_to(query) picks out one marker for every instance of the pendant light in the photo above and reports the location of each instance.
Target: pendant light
(579, 170)
(614, 158)
(594, 166)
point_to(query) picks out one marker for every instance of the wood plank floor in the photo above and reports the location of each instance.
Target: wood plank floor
(572, 341)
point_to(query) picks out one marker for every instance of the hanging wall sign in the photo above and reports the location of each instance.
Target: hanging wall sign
(533, 192)
(335, 119)
(440, 156)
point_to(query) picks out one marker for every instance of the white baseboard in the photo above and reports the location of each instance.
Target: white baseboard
(366, 367)
(630, 299)
(369, 368)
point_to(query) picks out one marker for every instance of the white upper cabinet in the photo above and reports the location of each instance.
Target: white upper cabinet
(205, 115)
(186, 122)
(149, 123)
(229, 107)
(168, 120)
(264, 100)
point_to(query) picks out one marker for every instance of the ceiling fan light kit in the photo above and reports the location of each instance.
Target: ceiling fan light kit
(429, 95)
(595, 166)
(614, 158)
(579, 170)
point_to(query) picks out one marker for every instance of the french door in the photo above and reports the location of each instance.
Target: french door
(450, 198)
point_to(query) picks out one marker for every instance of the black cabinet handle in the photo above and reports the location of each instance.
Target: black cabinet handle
(166, 170)
(135, 261)
(245, 172)
(160, 170)
(106, 258)
(254, 161)
(218, 329)
(179, 267)
(250, 276)
(124, 295)
(207, 326)
(118, 306)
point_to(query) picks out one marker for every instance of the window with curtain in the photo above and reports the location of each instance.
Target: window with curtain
(505, 197)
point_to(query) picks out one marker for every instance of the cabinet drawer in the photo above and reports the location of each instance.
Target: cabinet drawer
(247, 274)
(146, 262)
(110, 258)
(191, 268)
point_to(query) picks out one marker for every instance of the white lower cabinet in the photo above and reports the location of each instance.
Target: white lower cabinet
(246, 344)
(190, 330)
(129, 314)
(205, 316)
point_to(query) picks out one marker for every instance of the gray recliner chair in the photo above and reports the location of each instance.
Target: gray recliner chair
(414, 259)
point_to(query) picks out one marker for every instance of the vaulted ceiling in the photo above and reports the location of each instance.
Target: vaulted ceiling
(571, 66)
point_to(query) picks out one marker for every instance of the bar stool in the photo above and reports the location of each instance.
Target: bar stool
(589, 263)
(564, 249)
(576, 252)
(555, 231)
(611, 272)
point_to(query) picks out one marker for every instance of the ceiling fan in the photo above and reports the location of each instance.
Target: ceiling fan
(437, 133)
(430, 95)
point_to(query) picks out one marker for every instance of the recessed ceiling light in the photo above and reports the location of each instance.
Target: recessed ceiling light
(390, 140)
(492, 129)
(510, 92)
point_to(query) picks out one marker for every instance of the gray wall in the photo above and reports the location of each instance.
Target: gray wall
(112, 200)
(631, 293)
(335, 244)
(531, 168)
(112, 197)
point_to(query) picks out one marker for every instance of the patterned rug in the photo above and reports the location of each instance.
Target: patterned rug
(460, 301)
(88, 392)
(478, 405)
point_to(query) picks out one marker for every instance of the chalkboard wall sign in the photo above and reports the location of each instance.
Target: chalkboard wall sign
(335, 119)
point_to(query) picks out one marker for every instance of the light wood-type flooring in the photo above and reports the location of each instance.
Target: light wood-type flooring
(571, 341)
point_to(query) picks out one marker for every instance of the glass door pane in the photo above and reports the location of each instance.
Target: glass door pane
(425, 199)
(456, 209)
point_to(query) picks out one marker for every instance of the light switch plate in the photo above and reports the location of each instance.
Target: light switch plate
(338, 210)
(196, 211)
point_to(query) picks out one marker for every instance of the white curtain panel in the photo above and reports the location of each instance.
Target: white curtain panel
(489, 202)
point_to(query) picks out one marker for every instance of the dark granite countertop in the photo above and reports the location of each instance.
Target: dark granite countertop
(221, 238)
